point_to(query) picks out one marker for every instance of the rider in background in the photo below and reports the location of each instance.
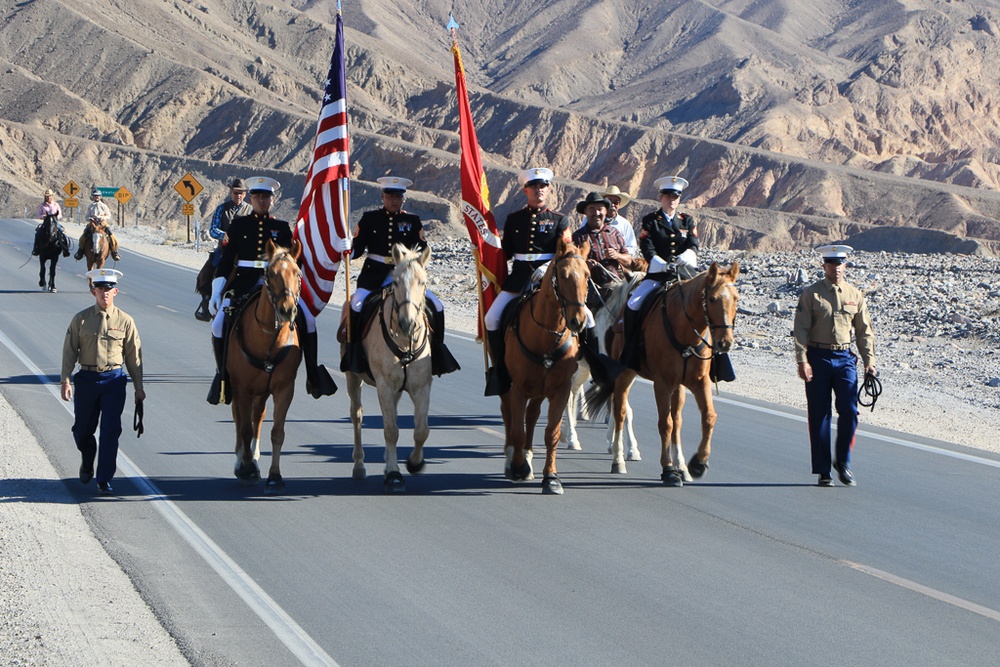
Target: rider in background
(241, 271)
(530, 238)
(609, 257)
(668, 241)
(376, 233)
(223, 216)
(49, 206)
(99, 214)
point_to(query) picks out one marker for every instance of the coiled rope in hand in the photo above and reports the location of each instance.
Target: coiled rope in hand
(870, 386)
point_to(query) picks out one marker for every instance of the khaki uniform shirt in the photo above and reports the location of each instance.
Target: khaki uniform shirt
(102, 341)
(827, 314)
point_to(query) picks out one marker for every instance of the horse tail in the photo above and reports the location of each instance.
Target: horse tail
(597, 398)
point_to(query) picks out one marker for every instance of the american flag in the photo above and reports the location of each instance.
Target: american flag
(321, 227)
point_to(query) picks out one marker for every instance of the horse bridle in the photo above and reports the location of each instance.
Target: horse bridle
(693, 351)
(410, 354)
(274, 297)
(549, 358)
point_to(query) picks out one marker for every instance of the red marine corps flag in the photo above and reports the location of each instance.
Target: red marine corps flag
(491, 265)
(322, 222)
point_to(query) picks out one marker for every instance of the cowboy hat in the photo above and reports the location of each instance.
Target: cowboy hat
(593, 198)
(613, 191)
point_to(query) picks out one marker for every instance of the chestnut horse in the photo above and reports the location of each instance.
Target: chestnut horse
(95, 246)
(399, 357)
(262, 361)
(541, 357)
(686, 325)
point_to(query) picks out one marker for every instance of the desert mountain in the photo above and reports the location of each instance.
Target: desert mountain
(795, 122)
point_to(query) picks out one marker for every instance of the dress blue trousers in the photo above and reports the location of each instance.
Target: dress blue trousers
(99, 397)
(835, 371)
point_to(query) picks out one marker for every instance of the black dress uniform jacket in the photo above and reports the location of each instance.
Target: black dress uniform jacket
(248, 237)
(378, 231)
(530, 232)
(659, 237)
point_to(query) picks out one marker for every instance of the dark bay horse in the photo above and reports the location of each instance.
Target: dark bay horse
(686, 325)
(398, 349)
(50, 242)
(262, 361)
(541, 356)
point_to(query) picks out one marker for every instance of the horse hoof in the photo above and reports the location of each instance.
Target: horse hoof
(552, 486)
(394, 483)
(697, 468)
(248, 473)
(359, 475)
(575, 446)
(633, 456)
(52, 289)
(415, 468)
(618, 469)
(41, 283)
(274, 486)
(672, 476)
(521, 473)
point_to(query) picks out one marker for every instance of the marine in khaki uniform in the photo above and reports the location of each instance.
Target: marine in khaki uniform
(102, 339)
(829, 311)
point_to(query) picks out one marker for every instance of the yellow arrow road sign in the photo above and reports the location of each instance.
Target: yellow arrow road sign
(71, 189)
(188, 187)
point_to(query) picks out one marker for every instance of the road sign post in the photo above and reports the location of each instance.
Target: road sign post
(188, 188)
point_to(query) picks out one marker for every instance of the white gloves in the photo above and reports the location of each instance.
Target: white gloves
(657, 265)
(688, 259)
(218, 284)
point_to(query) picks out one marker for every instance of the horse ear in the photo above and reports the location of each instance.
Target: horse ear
(296, 250)
(397, 253)
(713, 272)
(585, 248)
(269, 249)
(425, 256)
(734, 271)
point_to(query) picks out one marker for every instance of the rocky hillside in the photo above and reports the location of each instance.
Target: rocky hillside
(794, 124)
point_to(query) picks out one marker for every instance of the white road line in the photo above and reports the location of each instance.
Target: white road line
(284, 626)
(932, 593)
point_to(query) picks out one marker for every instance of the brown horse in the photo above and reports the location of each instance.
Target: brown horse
(541, 357)
(687, 325)
(262, 361)
(95, 245)
(399, 356)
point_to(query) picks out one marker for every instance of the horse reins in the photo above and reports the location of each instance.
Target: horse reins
(870, 386)
(408, 356)
(559, 350)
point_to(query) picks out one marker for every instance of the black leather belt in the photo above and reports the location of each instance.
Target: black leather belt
(836, 347)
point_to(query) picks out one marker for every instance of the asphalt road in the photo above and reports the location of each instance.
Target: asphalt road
(753, 565)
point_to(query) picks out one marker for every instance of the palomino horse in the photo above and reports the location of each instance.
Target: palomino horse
(95, 245)
(541, 356)
(399, 357)
(605, 316)
(262, 361)
(686, 326)
(50, 242)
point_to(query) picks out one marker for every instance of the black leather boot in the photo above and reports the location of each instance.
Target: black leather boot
(354, 352)
(497, 378)
(113, 244)
(215, 392)
(603, 368)
(442, 361)
(631, 356)
(319, 383)
(202, 312)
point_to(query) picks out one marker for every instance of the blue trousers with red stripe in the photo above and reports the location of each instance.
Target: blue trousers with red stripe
(833, 371)
(99, 397)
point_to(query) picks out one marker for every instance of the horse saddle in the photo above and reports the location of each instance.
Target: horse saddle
(371, 305)
(644, 309)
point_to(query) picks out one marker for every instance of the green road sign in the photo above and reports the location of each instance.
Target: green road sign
(107, 191)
